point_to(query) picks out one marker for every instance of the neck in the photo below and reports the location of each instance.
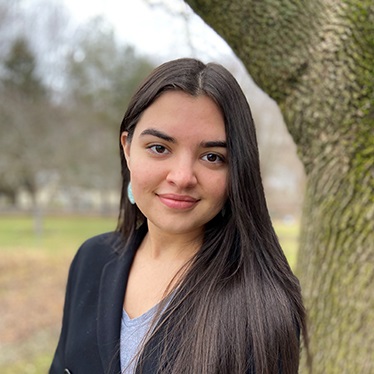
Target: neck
(163, 245)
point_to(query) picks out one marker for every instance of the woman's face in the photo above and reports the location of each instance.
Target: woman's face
(178, 162)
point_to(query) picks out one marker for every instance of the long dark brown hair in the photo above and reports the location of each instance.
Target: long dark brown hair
(238, 309)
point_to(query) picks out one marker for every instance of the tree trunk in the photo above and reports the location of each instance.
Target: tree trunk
(315, 58)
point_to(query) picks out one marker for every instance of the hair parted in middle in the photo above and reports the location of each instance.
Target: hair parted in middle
(238, 307)
(195, 78)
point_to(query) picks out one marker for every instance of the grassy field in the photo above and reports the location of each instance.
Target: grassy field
(33, 270)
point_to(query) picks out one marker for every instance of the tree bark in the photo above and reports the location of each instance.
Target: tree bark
(316, 59)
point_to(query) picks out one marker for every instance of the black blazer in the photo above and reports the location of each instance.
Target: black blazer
(90, 335)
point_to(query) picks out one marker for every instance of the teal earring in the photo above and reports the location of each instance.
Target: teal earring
(129, 194)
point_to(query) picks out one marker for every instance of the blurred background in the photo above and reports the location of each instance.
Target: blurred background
(67, 71)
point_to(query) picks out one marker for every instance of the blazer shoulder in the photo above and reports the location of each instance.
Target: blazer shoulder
(100, 248)
(104, 244)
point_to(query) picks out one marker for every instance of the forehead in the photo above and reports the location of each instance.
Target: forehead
(177, 112)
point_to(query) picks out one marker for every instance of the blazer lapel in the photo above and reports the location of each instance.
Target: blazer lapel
(111, 296)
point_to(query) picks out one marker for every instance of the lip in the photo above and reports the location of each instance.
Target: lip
(175, 201)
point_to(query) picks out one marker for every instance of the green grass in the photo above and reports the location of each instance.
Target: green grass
(59, 232)
(31, 263)
(37, 365)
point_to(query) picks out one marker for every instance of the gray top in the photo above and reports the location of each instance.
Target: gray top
(133, 332)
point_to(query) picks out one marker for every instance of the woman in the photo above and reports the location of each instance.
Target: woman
(194, 280)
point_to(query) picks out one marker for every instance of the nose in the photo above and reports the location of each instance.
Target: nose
(182, 173)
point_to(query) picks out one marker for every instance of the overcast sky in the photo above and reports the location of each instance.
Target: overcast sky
(153, 29)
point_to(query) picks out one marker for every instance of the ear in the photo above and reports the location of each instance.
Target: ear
(126, 146)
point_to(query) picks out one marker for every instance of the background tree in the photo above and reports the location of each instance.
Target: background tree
(315, 58)
(22, 97)
(61, 102)
(28, 135)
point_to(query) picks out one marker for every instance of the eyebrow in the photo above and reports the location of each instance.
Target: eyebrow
(168, 138)
(213, 144)
(158, 134)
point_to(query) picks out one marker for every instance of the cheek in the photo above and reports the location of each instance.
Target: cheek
(218, 189)
(145, 177)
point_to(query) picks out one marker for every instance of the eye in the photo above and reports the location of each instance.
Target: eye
(158, 149)
(213, 158)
